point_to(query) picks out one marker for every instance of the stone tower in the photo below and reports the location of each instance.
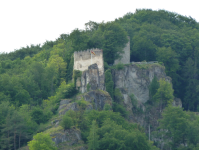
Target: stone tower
(125, 59)
(82, 60)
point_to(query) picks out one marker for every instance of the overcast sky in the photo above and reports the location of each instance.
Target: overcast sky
(26, 22)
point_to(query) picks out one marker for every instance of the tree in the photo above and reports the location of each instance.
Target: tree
(153, 88)
(169, 58)
(38, 116)
(13, 130)
(143, 48)
(93, 143)
(42, 141)
(79, 40)
(191, 95)
(164, 94)
(174, 126)
(109, 83)
(114, 40)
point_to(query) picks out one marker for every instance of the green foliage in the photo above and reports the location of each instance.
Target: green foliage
(153, 87)
(40, 116)
(106, 66)
(164, 93)
(66, 122)
(109, 82)
(118, 97)
(133, 100)
(79, 40)
(42, 141)
(119, 108)
(179, 129)
(88, 87)
(107, 107)
(120, 66)
(114, 136)
(82, 103)
(76, 74)
(136, 108)
(93, 143)
(169, 58)
(70, 69)
(64, 91)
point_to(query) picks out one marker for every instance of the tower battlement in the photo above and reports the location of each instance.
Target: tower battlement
(82, 59)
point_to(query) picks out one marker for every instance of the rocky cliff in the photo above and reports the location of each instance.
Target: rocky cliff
(90, 80)
(136, 78)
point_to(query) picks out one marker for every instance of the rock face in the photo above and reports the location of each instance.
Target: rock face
(97, 98)
(66, 105)
(91, 79)
(136, 79)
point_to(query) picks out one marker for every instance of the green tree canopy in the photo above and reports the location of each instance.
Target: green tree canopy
(42, 141)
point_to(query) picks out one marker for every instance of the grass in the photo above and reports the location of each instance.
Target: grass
(147, 66)
(54, 130)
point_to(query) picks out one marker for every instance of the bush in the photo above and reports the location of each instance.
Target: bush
(107, 107)
(82, 103)
(133, 100)
(118, 96)
(109, 82)
(120, 66)
(88, 87)
(66, 122)
(106, 66)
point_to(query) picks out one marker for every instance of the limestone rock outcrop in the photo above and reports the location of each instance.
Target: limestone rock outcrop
(97, 98)
(136, 79)
(67, 139)
(91, 79)
(66, 105)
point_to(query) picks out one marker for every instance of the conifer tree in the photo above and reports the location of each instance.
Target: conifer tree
(93, 143)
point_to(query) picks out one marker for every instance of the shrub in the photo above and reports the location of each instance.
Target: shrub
(109, 82)
(107, 107)
(120, 66)
(133, 100)
(82, 103)
(66, 122)
(88, 87)
(118, 96)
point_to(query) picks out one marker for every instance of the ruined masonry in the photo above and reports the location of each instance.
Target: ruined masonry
(82, 60)
(125, 57)
(92, 67)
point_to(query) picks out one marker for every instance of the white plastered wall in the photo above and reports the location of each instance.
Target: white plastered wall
(82, 60)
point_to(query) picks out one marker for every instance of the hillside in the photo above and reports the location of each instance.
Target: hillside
(34, 79)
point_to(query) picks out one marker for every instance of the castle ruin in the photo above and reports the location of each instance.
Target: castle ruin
(82, 60)
(92, 67)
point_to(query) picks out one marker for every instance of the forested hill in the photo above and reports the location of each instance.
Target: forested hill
(33, 79)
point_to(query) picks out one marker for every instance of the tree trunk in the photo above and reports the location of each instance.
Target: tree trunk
(19, 139)
(15, 138)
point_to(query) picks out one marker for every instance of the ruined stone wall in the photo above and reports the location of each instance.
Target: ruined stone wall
(125, 59)
(82, 59)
